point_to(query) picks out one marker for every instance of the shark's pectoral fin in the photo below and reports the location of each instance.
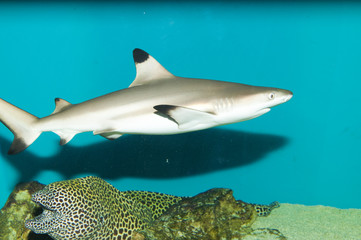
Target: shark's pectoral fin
(65, 137)
(108, 134)
(60, 105)
(184, 117)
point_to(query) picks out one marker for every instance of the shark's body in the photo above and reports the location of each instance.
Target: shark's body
(157, 102)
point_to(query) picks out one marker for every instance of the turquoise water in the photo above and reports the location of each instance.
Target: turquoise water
(306, 151)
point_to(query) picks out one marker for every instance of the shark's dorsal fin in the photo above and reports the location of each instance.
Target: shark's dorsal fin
(60, 105)
(184, 117)
(148, 69)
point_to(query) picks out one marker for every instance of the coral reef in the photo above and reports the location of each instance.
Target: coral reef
(90, 208)
(212, 215)
(17, 209)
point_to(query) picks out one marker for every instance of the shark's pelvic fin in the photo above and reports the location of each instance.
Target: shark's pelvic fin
(60, 105)
(184, 117)
(20, 124)
(148, 68)
(111, 135)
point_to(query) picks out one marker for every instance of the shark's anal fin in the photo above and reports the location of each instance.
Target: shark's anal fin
(61, 105)
(148, 69)
(65, 137)
(184, 117)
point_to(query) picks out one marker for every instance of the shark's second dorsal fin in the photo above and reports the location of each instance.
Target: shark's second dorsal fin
(60, 105)
(148, 69)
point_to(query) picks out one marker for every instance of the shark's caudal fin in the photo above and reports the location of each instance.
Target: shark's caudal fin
(20, 124)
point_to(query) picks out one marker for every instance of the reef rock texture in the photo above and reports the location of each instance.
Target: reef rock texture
(212, 215)
(17, 209)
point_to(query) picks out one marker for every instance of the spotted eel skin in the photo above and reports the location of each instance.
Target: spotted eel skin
(89, 208)
(265, 210)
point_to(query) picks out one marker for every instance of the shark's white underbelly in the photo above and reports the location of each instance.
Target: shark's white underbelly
(148, 123)
(155, 125)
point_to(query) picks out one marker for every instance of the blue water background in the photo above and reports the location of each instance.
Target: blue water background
(306, 151)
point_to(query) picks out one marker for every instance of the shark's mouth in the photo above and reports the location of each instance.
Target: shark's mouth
(260, 112)
(263, 111)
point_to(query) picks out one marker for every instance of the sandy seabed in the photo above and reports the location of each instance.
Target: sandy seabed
(299, 222)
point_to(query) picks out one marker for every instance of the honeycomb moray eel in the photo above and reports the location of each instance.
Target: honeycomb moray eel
(265, 210)
(92, 209)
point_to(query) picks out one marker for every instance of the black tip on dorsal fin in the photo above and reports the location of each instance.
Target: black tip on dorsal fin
(139, 55)
(148, 69)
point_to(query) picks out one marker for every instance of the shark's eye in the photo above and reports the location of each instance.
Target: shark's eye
(271, 96)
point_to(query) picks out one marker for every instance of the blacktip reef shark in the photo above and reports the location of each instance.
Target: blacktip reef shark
(156, 103)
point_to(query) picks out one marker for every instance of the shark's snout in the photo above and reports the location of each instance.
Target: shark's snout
(287, 95)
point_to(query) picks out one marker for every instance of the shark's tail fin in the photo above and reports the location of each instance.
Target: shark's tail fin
(20, 123)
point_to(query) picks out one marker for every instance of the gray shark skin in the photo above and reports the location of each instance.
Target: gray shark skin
(156, 103)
